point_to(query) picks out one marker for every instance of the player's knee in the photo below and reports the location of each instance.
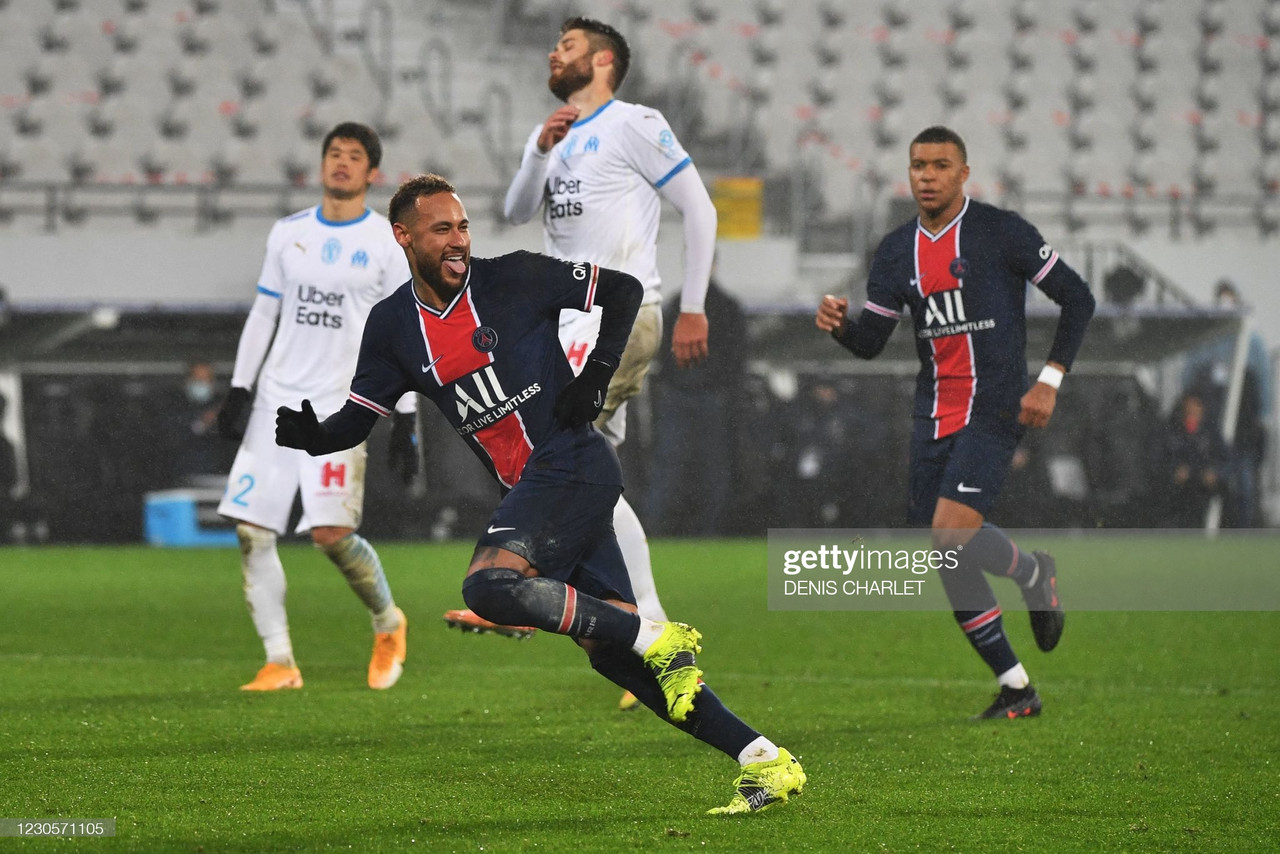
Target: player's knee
(492, 593)
(327, 537)
(949, 539)
(253, 538)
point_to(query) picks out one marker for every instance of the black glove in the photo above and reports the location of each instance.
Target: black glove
(581, 401)
(299, 430)
(233, 417)
(402, 450)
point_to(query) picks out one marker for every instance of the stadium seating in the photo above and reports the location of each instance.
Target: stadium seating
(1155, 100)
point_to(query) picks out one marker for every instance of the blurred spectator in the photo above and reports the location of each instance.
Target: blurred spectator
(200, 450)
(1207, 374)
(8, 479)
(1191, 466)
(1123, 422)
(696, 410)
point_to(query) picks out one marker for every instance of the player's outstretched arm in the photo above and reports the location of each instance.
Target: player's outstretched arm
(1065, 287)
(346, 428)
(864, 337)
(689, 196)
(251, 352)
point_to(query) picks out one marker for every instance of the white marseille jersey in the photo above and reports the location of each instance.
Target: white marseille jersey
(327, 276)
(603, 178)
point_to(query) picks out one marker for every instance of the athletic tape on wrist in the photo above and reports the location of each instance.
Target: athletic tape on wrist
(1051, 376)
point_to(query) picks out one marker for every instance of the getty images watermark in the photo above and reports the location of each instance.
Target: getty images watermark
(834, 570)
(1129, 570)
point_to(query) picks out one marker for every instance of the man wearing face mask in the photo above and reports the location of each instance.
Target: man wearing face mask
(200, 451)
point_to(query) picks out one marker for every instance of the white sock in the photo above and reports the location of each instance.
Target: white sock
(362, 568)
(264, 590)
(648, 635)
(760, 750)
(635, 551)
(387, 621)
(1015, 677)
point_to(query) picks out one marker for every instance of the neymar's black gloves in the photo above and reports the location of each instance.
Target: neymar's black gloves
(299, 430)
(581, 401)
(233, 417)
(402, 450)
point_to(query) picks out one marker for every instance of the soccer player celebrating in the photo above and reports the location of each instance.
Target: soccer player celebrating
(325, 268)
(597, 169)
(478, 337)
(960, 270)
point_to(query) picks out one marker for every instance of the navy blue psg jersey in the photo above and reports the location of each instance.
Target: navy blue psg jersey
(965, 289)
(492, 362)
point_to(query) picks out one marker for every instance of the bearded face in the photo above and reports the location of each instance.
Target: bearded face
(567, 78)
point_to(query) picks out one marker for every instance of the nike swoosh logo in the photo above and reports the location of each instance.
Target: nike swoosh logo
(962, 488)
(429, 365)
(493, 530)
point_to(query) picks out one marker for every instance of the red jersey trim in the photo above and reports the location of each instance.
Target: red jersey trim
(881, 310)
(591, 288)
(369, 404)
(1044, 271)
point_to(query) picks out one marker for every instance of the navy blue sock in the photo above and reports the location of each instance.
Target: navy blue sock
(710, 721)
(508, 598)
(975, 609)
(985, 631)
(994, 553)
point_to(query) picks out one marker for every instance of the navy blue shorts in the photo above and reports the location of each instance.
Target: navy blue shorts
(565, 530)
(969, 466)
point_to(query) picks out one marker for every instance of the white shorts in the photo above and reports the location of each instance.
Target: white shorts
(265, 477)
(578, 332)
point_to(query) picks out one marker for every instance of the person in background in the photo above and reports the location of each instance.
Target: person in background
(1208, 373)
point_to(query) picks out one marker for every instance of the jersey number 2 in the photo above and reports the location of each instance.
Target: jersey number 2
(246, 481)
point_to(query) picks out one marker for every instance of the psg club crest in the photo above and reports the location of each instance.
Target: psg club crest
(959, 268)
(484, 339)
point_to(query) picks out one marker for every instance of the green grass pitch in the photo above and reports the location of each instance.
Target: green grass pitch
(119, 668)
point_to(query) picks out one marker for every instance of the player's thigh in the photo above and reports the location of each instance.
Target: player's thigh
(332, 489)
(264, 476)
(925, 471)
(602, 572)
(977, 467)
(553, 523)
(642, 346)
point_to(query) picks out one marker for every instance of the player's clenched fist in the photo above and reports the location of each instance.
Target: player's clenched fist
(832, 312)
(298, 429)
(581, 401)
(555, 128)
(1037, 405)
